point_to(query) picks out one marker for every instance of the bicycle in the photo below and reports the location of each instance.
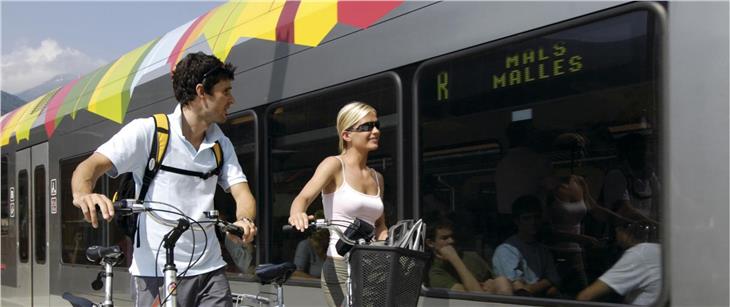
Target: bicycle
(110, 256)
(275, 274)
(380, 275)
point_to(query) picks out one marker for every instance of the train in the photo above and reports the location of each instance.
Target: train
(450, 80)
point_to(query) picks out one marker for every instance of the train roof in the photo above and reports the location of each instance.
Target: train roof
(107, 91)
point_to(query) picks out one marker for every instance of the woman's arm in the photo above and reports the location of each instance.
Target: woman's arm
(381, 228)
(597, 211)
(322, 177)
(560, 236)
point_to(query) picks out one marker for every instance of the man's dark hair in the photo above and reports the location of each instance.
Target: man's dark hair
(526, 204)
(641, 232)
(431, 227)
(199, 68)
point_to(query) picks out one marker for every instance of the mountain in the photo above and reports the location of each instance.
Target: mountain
(45, 87)
(9, 102)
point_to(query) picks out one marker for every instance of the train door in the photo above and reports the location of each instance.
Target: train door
(32, 220)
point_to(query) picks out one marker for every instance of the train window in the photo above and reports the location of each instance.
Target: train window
(76, 233)
(302, 133)
(4, 208)
(563, 127)
(242, 132)
(116, 235)
(23, 216)
(39, 205)
(7, 235)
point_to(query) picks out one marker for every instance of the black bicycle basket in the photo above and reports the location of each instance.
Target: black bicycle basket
(384, 276)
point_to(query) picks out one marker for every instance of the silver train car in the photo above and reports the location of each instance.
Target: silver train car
(450, 80)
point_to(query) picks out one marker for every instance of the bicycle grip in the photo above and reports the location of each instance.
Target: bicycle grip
(234, 230)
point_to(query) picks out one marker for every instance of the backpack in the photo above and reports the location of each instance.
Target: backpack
(128, 224)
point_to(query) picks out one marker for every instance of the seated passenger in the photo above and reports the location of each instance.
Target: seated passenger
(459, 271)
(525, 262)
(310, 254)
(637, 275)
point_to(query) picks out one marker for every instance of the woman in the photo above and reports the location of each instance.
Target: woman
(349, 190)
(567, 205)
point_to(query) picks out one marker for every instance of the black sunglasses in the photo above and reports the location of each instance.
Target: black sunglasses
(365, 127)
(210, 72)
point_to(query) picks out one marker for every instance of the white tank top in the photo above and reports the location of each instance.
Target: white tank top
(346, 204)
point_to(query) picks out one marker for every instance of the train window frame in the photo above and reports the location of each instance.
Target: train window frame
(23, 183)
(100, 187)
(255, 189)
(656, 33)
(394, 77)
(39, 195)
(9, 255)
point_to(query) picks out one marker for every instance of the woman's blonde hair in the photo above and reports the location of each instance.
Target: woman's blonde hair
(349, 115)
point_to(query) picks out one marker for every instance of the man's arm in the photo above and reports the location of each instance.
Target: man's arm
(82, 185)
(540, 287)
(467, 279)
(245, 209)
(596, 290)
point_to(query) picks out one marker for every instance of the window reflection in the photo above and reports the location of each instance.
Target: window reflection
(523, 125)
(241, 131)
(302, 134)
(76, 233)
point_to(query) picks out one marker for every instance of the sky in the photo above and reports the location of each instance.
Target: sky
(40, 40)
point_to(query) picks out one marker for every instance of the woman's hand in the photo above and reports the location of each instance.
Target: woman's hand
(300, 220)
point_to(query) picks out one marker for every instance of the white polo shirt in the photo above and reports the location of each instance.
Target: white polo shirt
(637, 275)
(129, 151)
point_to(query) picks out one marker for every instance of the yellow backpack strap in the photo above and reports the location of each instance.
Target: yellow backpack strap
(157, 153)
(162, 131)
(218, 152)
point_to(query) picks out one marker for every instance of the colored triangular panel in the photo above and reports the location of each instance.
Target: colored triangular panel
(111, 97)
(11, 123)
(78, 97)
(220, 43)
(157, 57)
(35, 108)
(258, 20)
(363, 14)
(214, 29)
(190, 35)
(315, 19)
(54, 105)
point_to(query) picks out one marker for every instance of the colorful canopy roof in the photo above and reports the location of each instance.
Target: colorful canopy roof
(108, 90)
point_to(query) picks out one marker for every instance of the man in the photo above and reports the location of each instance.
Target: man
(202, 86)
(524, 261)
(637, 275)
(450, 270)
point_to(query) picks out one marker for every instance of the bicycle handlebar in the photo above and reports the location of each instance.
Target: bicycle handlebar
(325, 224)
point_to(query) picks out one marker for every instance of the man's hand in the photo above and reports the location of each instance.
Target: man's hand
(447, 252)
(87, 203)
(249, 229)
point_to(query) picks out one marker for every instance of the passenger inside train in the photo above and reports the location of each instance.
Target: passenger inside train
(637, 274)
(456, 270)
(522, 258)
